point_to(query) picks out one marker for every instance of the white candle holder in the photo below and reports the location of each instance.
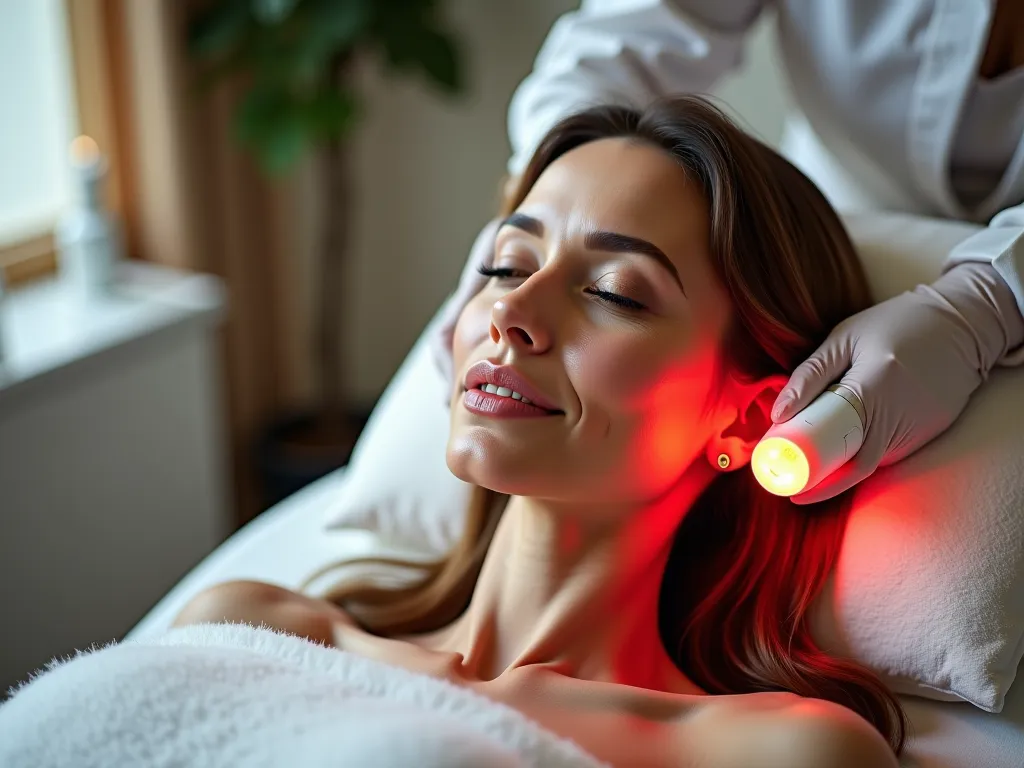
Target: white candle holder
(88, 237)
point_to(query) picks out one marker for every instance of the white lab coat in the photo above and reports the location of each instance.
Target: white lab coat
(880, 83)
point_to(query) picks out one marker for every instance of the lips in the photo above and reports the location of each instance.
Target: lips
(505, 381)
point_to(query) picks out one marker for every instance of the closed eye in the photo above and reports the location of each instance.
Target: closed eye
(509, 273)
(614, 298)
(502, 273)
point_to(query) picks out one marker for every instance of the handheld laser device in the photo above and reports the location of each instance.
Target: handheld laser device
(798, 454)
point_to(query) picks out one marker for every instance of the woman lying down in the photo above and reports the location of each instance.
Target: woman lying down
(657, 277)
(624, 587)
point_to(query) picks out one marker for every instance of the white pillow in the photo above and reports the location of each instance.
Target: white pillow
(397, 482)
(929, 588)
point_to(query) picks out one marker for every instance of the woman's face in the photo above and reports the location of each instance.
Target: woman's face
(606, 314)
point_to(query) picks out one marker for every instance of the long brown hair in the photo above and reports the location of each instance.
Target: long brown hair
(746, 566)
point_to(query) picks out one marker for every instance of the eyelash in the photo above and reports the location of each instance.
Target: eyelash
(503, 273)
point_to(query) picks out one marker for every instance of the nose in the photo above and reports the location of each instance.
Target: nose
(515, 321)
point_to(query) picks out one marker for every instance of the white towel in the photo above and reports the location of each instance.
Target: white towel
(234, 695)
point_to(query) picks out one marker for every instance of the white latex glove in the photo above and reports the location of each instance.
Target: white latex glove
(914, 361)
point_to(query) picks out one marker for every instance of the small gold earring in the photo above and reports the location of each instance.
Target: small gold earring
(723, 460)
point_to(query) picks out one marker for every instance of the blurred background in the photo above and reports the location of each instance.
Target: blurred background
(204, 299)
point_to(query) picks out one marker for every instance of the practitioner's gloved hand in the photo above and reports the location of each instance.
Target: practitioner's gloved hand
(471, 282)
(914, 361)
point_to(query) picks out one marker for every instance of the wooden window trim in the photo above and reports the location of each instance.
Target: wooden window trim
(98, 57)
(28, 260)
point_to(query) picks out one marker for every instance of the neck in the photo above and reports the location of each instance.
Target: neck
(567, 588)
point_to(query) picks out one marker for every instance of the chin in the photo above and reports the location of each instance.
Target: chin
(481, 459)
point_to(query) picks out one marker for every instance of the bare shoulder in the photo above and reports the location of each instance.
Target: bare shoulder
(259, 603)
(789, 731)
(821, 733)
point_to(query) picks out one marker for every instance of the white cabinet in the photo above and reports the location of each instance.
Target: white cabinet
(112, 468)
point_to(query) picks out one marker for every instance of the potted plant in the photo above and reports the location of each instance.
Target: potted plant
(296, 58)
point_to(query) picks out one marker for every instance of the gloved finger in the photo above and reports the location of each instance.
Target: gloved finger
(811, 377)
(852, 472)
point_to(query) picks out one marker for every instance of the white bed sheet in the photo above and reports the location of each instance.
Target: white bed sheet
(286, 543)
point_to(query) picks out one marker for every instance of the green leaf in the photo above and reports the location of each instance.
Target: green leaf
(338, 22)
(394, 31)
(331, 28)
(440, 59)
(271, 123)
(219, 29)
(330, 113)
(293, 53)
(280, 150)
(261, 108)
(411, 40)
(272, 11)
(270, 53)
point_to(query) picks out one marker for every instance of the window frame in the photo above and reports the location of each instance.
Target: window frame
(97, 56)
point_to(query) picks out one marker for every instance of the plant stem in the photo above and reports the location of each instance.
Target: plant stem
(330, 318)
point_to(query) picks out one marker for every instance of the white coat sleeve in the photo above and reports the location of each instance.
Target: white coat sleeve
(626, 52)
(1002, 245)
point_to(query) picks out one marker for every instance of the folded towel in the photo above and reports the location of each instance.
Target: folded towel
(231, 695)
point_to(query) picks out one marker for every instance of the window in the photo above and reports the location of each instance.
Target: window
(37, 122)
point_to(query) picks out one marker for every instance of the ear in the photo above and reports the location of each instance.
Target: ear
(745, 415)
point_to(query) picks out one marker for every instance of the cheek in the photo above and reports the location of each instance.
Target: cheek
(670, 431)
(647, 400)
(628, 373)
(472, 329)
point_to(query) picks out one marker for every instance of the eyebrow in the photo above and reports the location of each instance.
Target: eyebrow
(612, 242)
(525, 223)
(616, 243)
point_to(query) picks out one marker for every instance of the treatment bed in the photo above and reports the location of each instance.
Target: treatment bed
(932, 568)
(288, 542)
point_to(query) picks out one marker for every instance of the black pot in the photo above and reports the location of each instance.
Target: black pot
(295, 450)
